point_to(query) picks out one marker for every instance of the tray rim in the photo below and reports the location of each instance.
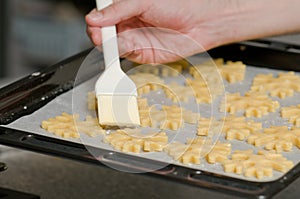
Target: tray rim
(24, 140)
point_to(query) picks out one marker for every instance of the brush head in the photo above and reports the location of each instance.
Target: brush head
(118, 110)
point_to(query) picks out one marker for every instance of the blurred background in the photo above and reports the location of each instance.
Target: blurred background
(39, 33)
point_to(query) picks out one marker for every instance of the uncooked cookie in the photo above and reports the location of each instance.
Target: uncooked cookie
(178, 93)
(278, 138)
(234, 127)
(146, 82)
(197, 148)
(256, 165)
(231, 71)
(282, 86)
(292, 113)
(254, 104)
(129, 140)
(69, 126)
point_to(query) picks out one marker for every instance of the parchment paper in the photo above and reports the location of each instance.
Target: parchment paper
(75, 101)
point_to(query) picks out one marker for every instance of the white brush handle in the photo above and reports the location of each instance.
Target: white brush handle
(109, 40)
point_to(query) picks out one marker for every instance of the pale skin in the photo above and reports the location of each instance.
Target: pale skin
(209, 23)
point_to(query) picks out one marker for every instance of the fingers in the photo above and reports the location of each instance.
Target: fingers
(156, 45)
(116, 13)
(95, 35)
(112, 15)
(92, 18)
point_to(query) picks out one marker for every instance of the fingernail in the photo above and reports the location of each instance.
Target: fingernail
(95, 16)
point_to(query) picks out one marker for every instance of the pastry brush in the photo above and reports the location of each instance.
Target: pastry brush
(116, 93)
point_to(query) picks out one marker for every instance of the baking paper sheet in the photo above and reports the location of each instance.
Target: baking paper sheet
(75, 101)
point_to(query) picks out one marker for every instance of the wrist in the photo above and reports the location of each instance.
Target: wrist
(221, 22)
(238, 20)
(263, 18)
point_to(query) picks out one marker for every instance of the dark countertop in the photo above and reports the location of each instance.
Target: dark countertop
(53, 177)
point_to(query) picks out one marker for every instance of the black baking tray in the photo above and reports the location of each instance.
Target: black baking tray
(60, 78)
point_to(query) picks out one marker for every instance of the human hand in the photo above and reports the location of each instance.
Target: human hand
(174, 28)
(193, 27)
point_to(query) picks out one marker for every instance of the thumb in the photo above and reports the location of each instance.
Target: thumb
(119, 11)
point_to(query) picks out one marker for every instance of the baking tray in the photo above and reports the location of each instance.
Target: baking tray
(33, 92)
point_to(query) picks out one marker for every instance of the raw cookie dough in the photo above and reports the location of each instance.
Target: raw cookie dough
(282, 86)
(292, 113)
(256, 165)
(254, 104)
(231, 71)
(278, 138)
(69, 126)
(197, 148)
(146, 82)
(234, 127)
(129, 140)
